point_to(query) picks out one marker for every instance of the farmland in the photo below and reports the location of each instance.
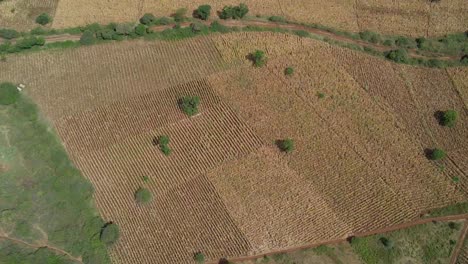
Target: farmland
(412, 18)
(360, 127)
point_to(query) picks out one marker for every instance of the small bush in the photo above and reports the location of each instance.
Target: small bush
(163, 21)
(370, 36)
(456, 179)
(399, 55)
(199, 257)
(258, 58)
(286, 145)
(165, 150)
(215, 26)
(449, 118)
(147, 19)
(109, 233)
(198, 27)
(8, 93)
(203, 12)
(387, 243)
(140, 30)
(405, 42)
(30, 42)
(189, 104)
(8, 33)
(277, 19)
(87, 38)
(437, 154)
(124, 29)
(179, 15)
(235, 12)
(320, 95)
(143, 196)
(43, 19)
(289, 71)
(106, 34)
(163, 140)
(389, 42)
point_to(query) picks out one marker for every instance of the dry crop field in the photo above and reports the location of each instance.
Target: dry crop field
(226, 190)
(413, 18)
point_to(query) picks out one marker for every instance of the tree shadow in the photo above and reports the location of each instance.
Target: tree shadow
(439, 116)
(223, 261)
(250, 57)
(155, 141)
(428, 153)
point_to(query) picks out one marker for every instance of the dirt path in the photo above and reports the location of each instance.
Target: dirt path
(459, 245)
(373, 232)
(52, 248)
(268, 24)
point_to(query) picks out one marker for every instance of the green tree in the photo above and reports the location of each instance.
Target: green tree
(189, 104)
(8, 93)
(399, 55)
(147, 19)
(203, 12)
(258, 58)
(165, 149)
(143, 196)
(87, 38)
(140, 30)
(286, 145)
(449, 118)
(110, 233)
(235, 12)
(437, 154)
(43, 19)
(163, 140)
(8, 33)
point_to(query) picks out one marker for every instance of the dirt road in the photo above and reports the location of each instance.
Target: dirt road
(268, 24)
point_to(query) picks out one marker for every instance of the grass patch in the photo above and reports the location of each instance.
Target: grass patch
(428, 243)
(454, 209)
(41, 189)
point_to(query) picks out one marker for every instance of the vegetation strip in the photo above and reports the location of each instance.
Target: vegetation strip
(459, 245)
(364, 234)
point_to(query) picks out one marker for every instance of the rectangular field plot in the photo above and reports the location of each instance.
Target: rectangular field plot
(113, 72)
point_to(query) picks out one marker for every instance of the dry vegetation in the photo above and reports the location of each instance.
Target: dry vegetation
(414, 17)
(226, 190)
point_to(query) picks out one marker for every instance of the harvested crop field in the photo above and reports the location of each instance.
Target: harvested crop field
(412, 18)
(360, 125)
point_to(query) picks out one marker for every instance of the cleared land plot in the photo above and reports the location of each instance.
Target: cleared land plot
(448, 16)
(460, 81)
(21, 14)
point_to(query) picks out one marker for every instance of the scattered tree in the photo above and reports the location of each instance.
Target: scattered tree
(143, 196)
(449, 118)
(258, 58)
(199, 257)
(370, 36)
(189, 104)
(203, 12)
(87, 38)
(140, 30)
(289, 71)
(286, 145)
(437, 154)
(387, 243)
(109, 233)
(165, 149)
(147, 19)
(43, 19)
(399, 55)
(163, 140)
(8, 93)
(235, 12)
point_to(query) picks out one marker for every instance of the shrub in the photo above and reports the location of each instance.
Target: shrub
(38, 31)
(8, 33)
(143, 196)
(286, 145)
(165, 149)
(456, 179)
(399, 55)
(147, 19)
(30, 42)
(464, 60)
(199, 257)
(124, 29)
(8, 93)
(217, 27)
(140, 30)
(203, 12)
(198, 27)
(163, 21)
(404, 42)
(87, 38)
(189, 104)
(277, 19)
(320, 95)
(235, 12)
(43, 19)
(94, 27)
(389, 42)
(179, 14)
(106, 34)
(258, 58)
(109, 233)
(370, 36)
(289, 71)
(449, 118)
(420, 42)
(434, 63)
(163, 140)
(387, 243)
(437, 154)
